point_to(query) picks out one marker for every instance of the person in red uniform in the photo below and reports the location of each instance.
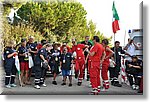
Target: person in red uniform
(79, 60)
(96, 57)
(105, 64)
(65, 45)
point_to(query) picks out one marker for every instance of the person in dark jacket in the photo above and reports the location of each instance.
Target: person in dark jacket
(55, 62)
(117, 59)
(41, 58)
(9, 65)
(86, 42)
(66, 61)
(32, 47)
(134, 72)
(24, 62)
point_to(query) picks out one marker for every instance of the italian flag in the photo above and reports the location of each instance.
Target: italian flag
(115, 23)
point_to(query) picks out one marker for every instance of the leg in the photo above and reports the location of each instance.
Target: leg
(54, 78)
(88, 75)
(81, 66)
(43, 75)
(7, 77)
(13, 71)
(104, 73)
(70, 80)
(30, 73)
(116, 74)
(76, 69)
(37, 76)
(27, 73)
(93, 77)
(22, 77)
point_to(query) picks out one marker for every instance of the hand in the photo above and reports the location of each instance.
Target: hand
(30, 50)
(45, 61)
(130, 65)
(24, 54)
(49, 68)
(71, 66)
(101, 61)
(87, 50)
(15, 53)
(86, 46)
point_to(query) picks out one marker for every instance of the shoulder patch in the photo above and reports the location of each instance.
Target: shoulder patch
(7, 51)
(42, 51)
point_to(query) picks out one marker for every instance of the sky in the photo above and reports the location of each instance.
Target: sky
(100, 12)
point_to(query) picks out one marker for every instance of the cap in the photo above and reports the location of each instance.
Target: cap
(23, 39)
(31, 37)
(43, 42)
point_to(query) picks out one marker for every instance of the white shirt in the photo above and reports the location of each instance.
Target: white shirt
(131, 49)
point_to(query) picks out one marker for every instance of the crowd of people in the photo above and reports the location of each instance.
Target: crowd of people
(97, 59)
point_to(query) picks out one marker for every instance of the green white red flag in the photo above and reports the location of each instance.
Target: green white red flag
(115, 23)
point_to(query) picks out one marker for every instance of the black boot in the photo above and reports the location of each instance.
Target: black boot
(79, 83)
(54, 82)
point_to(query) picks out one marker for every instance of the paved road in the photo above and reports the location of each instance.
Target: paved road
(65, 90)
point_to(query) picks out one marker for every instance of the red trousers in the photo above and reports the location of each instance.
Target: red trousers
(94, 69)
(79, 67)
(24, 66)
(104, 71)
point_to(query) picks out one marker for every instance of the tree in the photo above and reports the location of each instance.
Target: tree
(54, 20)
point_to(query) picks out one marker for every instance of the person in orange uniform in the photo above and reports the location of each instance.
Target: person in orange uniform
(96, 57)
(79, 60)
(106, 63)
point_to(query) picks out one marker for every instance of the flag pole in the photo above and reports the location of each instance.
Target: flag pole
(114, 49)
(124, 38)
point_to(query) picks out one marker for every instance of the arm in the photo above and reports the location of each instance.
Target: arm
(10, 55)
(33, 51)
(91, 53)
(111, 53)
(42, 57)
(103, 57)
(126, 47)
(136, 47)
(133, 66)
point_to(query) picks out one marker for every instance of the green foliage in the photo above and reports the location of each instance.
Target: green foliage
(54, 20)
(15, 33)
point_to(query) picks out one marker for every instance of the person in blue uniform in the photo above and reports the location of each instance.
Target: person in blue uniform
(39, 69)
(9, 65)
(55, 62)
(32, 47)
(24, 62)
(134, 72)
(66, 62)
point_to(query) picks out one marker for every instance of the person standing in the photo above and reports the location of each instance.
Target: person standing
(23, 56)
(106, 63)
(117, 58)
(86, 42)
(41, 58)
(32, 47)
(79, 60)
(55, 62)
(66, 61)
(130, 49)
(65, 45)
(96, 55)
(9, 65)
